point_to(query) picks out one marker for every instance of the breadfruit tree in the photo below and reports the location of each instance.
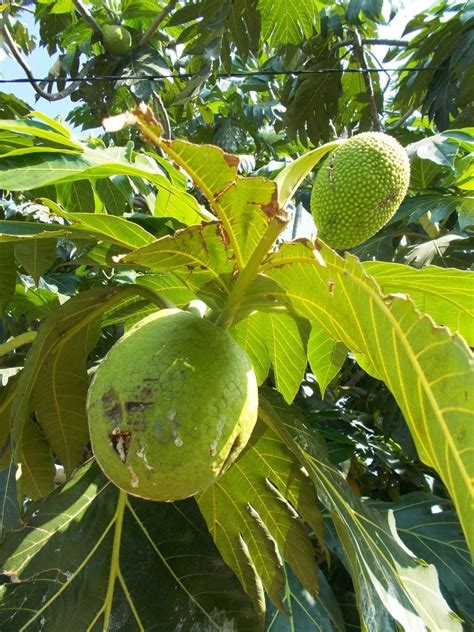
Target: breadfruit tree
(236, 331)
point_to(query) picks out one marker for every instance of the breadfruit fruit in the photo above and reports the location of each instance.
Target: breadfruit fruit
(171, 406)
(358, 188)
(117, 40)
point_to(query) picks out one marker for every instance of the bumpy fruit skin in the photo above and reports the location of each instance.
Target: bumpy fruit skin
(358, 188)
(171, 406)
(117, 40)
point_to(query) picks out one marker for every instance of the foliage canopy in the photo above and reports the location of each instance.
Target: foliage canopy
(351, 506)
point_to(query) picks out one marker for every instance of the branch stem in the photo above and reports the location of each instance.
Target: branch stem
(18, 341)
(157, 21)
(249, 272)
(84, 11)
(57, 96)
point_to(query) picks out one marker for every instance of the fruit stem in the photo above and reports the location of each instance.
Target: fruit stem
(249, 272)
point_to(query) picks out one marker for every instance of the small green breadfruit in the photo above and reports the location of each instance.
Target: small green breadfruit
(358, 188)
(171, 406)
(117, 40)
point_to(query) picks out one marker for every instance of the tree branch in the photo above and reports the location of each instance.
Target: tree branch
(359, 52)
(56, 96)
(157, 21)
(403, 119)
(84, 11)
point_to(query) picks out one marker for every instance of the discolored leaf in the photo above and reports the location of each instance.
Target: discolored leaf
(244, 205)
(198, 255)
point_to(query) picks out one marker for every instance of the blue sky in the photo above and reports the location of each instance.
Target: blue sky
(40, 61)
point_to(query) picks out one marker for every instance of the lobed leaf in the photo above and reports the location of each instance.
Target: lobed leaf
(428, 371)
(123, 559)
(320, 612)
(388, 579)
(251, 514)
(198, 256)
(244, 205)
(428, 525)
(443, 293)
(325, 356)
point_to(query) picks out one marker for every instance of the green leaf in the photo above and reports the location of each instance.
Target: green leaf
(290, 178)
(9, 506)
(33, 302)
(7, 273)
(44, 382)
(429, 527)
(77, 196)
(84, 226)
(37, 463)
(278, 339)
(117, 230)
(112, 197)
(444, 294)
(250, 513)
(244, 205)
(11, 231)
(36, 256)
(59, 396)
(249, 333)
(428, 370)
(198, 256)
(286, 348)
(387, 578)
(6, 398)
(287, 22)
(325, 356)
(43, 131)
(128, 562)
(320, 612)
(23, 173)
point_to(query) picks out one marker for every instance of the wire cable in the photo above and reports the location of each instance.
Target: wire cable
(222, 75)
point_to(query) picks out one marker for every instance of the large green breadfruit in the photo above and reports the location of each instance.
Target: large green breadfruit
(117, 40)
(358, 188)
(171, 406)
